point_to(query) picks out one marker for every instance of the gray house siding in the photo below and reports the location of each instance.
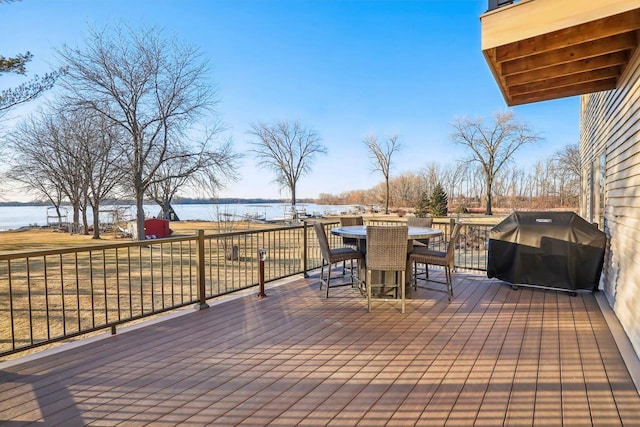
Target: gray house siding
(610, 155)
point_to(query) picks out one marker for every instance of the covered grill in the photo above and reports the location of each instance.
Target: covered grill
(551, 249)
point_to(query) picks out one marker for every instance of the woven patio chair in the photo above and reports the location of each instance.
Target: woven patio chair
(414, 221)
(386, 252)
(423, 255)
(350, 241)
(347, 221)
(333, 256)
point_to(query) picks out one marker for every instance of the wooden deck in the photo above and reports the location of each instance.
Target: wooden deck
(493, 356)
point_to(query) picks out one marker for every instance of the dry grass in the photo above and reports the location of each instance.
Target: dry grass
(63, 294)
(44, 238)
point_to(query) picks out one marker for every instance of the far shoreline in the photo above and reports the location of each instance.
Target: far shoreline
(177, 201)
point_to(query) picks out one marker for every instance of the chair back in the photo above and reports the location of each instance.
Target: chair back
(414, 221)
(387, 247)
(350, 220)
(322, 240)
(452, 241)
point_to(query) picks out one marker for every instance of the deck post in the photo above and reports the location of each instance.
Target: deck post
(305, 267)
(202, 300)
(262, 256)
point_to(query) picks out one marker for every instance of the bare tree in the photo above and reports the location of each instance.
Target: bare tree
(568, 164)
(288, 150)
(492, 144)
(100, 150)
(172, 176)
(35, 180)
(431, 174)
(162, 191)
(508, 186)
(380, 154)
(154, 89)
(47, 159)
(569, 159)
(406, 189)
(451, 179)
(450, 176)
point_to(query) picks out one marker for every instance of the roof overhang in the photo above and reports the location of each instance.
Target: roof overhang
(546, 49)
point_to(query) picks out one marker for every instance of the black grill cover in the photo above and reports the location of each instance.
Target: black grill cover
(552, 249)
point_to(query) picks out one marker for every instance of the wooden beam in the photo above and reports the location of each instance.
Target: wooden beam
(606, 27)
(564, 81)
(489, 56)
(611, 60)
(590, 49)
(574, 90)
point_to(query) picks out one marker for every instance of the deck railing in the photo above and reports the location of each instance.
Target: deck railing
(53, 295)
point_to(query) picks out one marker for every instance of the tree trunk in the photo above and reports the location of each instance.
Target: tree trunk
(488, 211)
(96, 221)
(76, 218)
(294, 211)
(85, 221)
(140, 215)
(164, 211)
(386, 203)
(167, 212)
(59, 213)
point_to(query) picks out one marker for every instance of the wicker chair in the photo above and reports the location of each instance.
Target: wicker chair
(414, 221)
(387, 252)
(423, 255)
(347, 221)
(333, 256)
(349, 241)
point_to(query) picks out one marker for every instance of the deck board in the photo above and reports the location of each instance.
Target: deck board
(491, 356)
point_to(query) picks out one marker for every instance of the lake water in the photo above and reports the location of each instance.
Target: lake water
(14, 217)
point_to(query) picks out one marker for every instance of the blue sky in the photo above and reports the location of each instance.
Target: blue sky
(343, 68)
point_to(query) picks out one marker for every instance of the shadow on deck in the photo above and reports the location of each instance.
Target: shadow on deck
(492, 356)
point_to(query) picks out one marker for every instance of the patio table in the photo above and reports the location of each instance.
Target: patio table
(359, 232)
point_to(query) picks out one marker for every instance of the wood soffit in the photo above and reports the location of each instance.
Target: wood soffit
(585, 58)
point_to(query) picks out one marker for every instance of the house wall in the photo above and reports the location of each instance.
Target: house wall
(610, 150)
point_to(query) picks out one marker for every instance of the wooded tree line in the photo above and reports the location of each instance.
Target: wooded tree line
(553, 182)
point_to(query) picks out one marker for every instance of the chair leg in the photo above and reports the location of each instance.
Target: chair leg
(369, 291)
(447, 271)
(352, 273)
(415, 274)
(321, 274)
(344, 268)
(328, 280)
(402, 277)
